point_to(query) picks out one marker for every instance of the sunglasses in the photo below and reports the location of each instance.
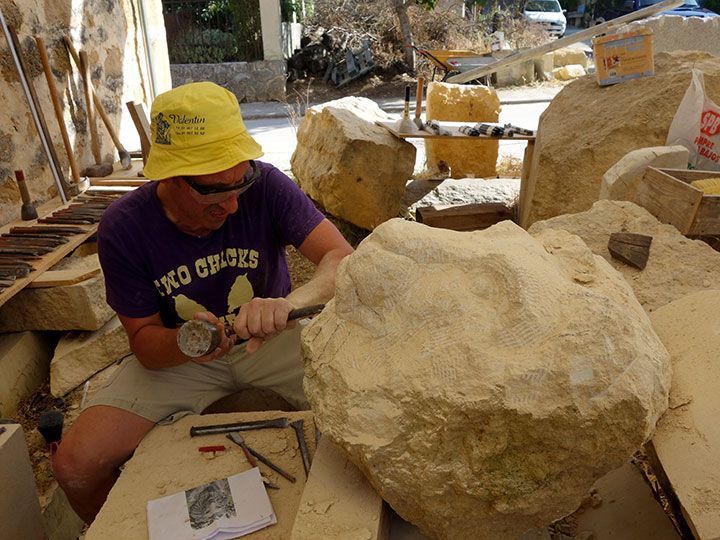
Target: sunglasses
(252, 174)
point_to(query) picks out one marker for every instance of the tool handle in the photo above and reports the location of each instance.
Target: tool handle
(54, 97)
(89, 105)
(419, 97)
(294, 314)
(406, 111)
(22, 186)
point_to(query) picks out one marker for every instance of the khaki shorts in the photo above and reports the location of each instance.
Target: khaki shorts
(166, 395)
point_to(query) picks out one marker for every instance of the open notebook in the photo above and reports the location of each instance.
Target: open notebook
(220, 510)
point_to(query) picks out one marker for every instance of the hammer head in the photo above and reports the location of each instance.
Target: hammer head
(198, 338)
(98, 171)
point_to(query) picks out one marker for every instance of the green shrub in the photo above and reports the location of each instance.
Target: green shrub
(207, 47)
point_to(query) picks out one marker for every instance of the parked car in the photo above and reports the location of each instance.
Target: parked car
(547, 13)
(605, 11)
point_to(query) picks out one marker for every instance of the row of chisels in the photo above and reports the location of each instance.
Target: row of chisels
(22, 245)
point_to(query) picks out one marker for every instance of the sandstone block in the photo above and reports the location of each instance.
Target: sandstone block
(24, 361)
(687, 441)
(19, 506)
(570, 56)
(483, 381)
(620, 181)
(575, 146)
(543, 66)
(462, 103)
(677, 265)
(569, 72)
(80, 306)
(674, 33)
(355, 169)
(80, 355)
(517, 74)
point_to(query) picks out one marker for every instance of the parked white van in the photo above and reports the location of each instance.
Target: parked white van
(548, 13)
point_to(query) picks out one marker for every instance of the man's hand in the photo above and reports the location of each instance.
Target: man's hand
(226, 343)
(262, 319)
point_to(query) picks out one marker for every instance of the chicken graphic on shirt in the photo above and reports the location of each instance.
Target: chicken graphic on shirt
(240, 293)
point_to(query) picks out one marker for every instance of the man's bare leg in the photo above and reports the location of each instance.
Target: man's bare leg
(88, 459)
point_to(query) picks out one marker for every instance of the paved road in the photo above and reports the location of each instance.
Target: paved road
(269, 123)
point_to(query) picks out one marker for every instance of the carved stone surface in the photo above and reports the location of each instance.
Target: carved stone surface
(354, 168)
(483, 381)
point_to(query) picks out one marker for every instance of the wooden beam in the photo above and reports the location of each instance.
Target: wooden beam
(465, 217)
(668, 199)
(630, 248)
(563, 42)
(338, 502)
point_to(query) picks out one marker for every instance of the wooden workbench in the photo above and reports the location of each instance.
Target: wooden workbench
(453, 128)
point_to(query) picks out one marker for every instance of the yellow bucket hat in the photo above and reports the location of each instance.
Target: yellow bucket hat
(197, 129)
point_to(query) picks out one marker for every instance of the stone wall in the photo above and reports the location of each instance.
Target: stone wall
(249, 81)
(111, 33)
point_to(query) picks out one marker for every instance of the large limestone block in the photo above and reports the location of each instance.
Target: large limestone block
(462, 103)
(24, 361)
(569, 72)
(568, 56)
(586, 129)
(355, 169)
(687, 442)
(80, 355)
(620, 182)
(80, 306)
(677, 265)
(483, 381)
(675, 33)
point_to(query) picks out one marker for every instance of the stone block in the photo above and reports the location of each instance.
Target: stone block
(677, 265)
(80, 355)
(59, 519)
(620, 181)
(354, 168)
(80, 306)
(569, 72)
(577, 143)
(543, 66)
(516, 75)
(167, 461)
(24, 364)
(462, 103)
(675, 33)
(483, 381)
(569, 56)
(356, 511)
(687, 441)
(19, 505)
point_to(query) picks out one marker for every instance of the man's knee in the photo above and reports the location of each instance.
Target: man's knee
(75, 467)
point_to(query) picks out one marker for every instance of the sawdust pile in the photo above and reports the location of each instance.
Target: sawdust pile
(586, 129)
(483, 381)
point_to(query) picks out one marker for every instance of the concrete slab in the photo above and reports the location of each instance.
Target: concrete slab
(19, 506)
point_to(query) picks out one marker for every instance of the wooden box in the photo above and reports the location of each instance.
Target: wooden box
(668, 195)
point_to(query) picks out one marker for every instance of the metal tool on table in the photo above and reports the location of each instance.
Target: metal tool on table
(35, 111)
(251, 459)
(405, 125)
(433, 126)
(519, 130)
(99, 168)
(57, 107)
(297, 426)
(198, 338)
(125, 159)
(470, 131)
(27, 210)
(237, 439)
(418, 103)
(219, 429)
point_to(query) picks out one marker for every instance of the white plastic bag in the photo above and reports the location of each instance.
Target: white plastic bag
(696, 126)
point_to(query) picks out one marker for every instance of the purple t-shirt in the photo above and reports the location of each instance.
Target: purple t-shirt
(151, 266)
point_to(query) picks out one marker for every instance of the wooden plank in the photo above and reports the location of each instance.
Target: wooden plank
(630, 248)
(707, 218)
(687, 438)
(563, 42)
(133, 174)
(338, 502)
(523, 206)
(688, 175)
(58, 278)
(142, 124)
(668, 199)
(465, 217)
(453, 128)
